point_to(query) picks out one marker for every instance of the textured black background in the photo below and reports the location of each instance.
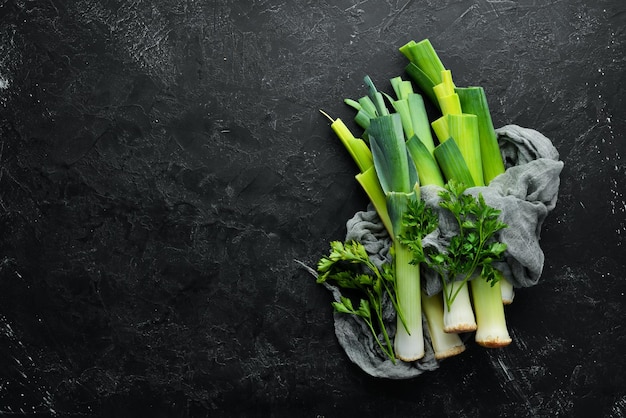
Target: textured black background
(162, 164)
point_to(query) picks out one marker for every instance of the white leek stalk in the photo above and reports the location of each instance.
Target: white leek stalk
(444, 344)
(458, 316)
(409, 340)
(492, 330)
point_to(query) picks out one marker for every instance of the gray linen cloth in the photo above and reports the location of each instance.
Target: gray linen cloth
(525, 194)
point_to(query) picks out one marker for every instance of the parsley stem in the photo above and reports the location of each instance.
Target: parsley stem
(379, 314)
(388, 352)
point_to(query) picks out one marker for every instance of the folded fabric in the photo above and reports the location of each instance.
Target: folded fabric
(525, 193)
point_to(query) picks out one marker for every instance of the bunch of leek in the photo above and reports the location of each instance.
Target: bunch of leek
(396, 155)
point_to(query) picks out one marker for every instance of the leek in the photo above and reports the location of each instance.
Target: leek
(370, 184)
(419, 118)
(464, 129)
(361, 154)
(452, 164)
(491, 331)
(398, 179)
(428, 170)
(424, 56)
(474, 100)
(365, 110)
(445, 344)
(357, 148)
(422, 221)
(420, 78)
(419, 221)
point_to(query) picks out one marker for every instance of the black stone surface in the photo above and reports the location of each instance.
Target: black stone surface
(163, 163)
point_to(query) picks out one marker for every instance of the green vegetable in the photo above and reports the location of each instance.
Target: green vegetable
(412, 110)
(473, 249)
(474, 100)
(370, 184)
(445, 344)
(452, 163)
(349, 266)
(398, 178)
(447, 97)
(423, 81)
(357, 148)
(361, 154)
(428, 170)
(419, 221)
(507, 291)
(463, 128)
(424, 56)
(488, 300)
(492, 331)
(365, 110)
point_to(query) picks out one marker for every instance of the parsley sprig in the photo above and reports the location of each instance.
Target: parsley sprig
(349, 266)
(474, 248)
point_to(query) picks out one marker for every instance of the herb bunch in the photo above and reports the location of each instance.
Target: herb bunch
(473, 249)
(349, 266)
